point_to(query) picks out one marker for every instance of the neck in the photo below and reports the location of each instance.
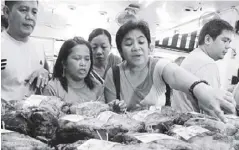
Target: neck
(75, 84)
(16, 37)
(100, 65)
(204, 49)
(136, 69)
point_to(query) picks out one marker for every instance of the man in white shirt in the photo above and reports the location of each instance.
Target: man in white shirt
(23, 63)
(214, 42)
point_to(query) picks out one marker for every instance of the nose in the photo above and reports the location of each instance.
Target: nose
(82, 62)
(228, 45)
(135, 46)
(99, 51)
(30, 15)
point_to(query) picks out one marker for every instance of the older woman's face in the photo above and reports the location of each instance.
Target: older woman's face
(135, 48)
(101, 48)
(78, 62)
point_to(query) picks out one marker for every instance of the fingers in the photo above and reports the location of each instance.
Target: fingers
(119, 104)
(229, 97)
(32, 77)
(215, 111)
(228, 107)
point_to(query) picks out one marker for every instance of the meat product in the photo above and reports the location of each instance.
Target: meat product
(31, 121)
(213, 142)
(17, 121)
(89, 109)
(69, 131)
(17, 141)
(94, 144)
(175, 144)
(123, 120)
(213, 125)
(125, 139)
(184, 117)
(71, 146)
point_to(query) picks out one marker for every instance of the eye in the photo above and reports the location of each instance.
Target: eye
(128, 42)
(34, 12)
(87, 58)
(23, 10)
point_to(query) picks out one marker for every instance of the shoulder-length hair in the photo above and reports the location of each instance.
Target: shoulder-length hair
(129, 26)
(64, 52)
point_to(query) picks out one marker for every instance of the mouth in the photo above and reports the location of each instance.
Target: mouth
(82, 71)
(28, 25)
(136, 56)
(100, 58)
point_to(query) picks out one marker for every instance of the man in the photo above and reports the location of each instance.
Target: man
(214, 41)
(23, 63)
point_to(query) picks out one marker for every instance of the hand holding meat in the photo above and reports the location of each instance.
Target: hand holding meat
(118, 105)
(214, 101)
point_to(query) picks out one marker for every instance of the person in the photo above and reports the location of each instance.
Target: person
(71, 79)
(100, 40)
(23, 63)
(214, 42)
(236, 93)
(4, 23)
(169, 91)
(143, 79)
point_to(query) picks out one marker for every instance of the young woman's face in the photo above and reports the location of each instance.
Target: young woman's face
(78, 62)
(135, 48)
(101, 48)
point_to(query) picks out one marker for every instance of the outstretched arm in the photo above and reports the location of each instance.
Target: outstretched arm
(210, 100)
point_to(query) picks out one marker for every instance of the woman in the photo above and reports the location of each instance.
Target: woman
(100, 40)
(71, 80)
(143, 79)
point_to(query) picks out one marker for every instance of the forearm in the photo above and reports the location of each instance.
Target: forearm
(178, 78)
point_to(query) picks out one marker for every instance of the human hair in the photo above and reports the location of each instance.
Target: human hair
(129, 26)
(213, 28)
(10, 3)
(237, 26)
(4, 21)
(64, 52)
(97, 32)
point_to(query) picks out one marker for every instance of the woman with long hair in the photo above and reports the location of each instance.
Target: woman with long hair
(71, 80)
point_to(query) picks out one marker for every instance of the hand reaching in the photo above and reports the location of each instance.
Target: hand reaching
(118, 105)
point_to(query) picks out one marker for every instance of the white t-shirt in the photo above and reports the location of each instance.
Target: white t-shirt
(23, 58)
(202, 66)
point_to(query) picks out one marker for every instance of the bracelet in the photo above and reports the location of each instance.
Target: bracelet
(193, 86)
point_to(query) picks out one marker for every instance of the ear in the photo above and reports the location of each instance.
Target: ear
(151, 48)
(6, 11)
(208, 39)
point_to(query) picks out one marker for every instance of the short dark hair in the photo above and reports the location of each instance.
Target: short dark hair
(213, 28)
(10, 3)
(4, 21)
(97, 32)
(127, 27)
(64, 52)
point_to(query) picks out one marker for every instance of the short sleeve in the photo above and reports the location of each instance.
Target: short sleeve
(210, 73)
(160, 65)
(109, 87)
(158, 75)
(49, 89)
